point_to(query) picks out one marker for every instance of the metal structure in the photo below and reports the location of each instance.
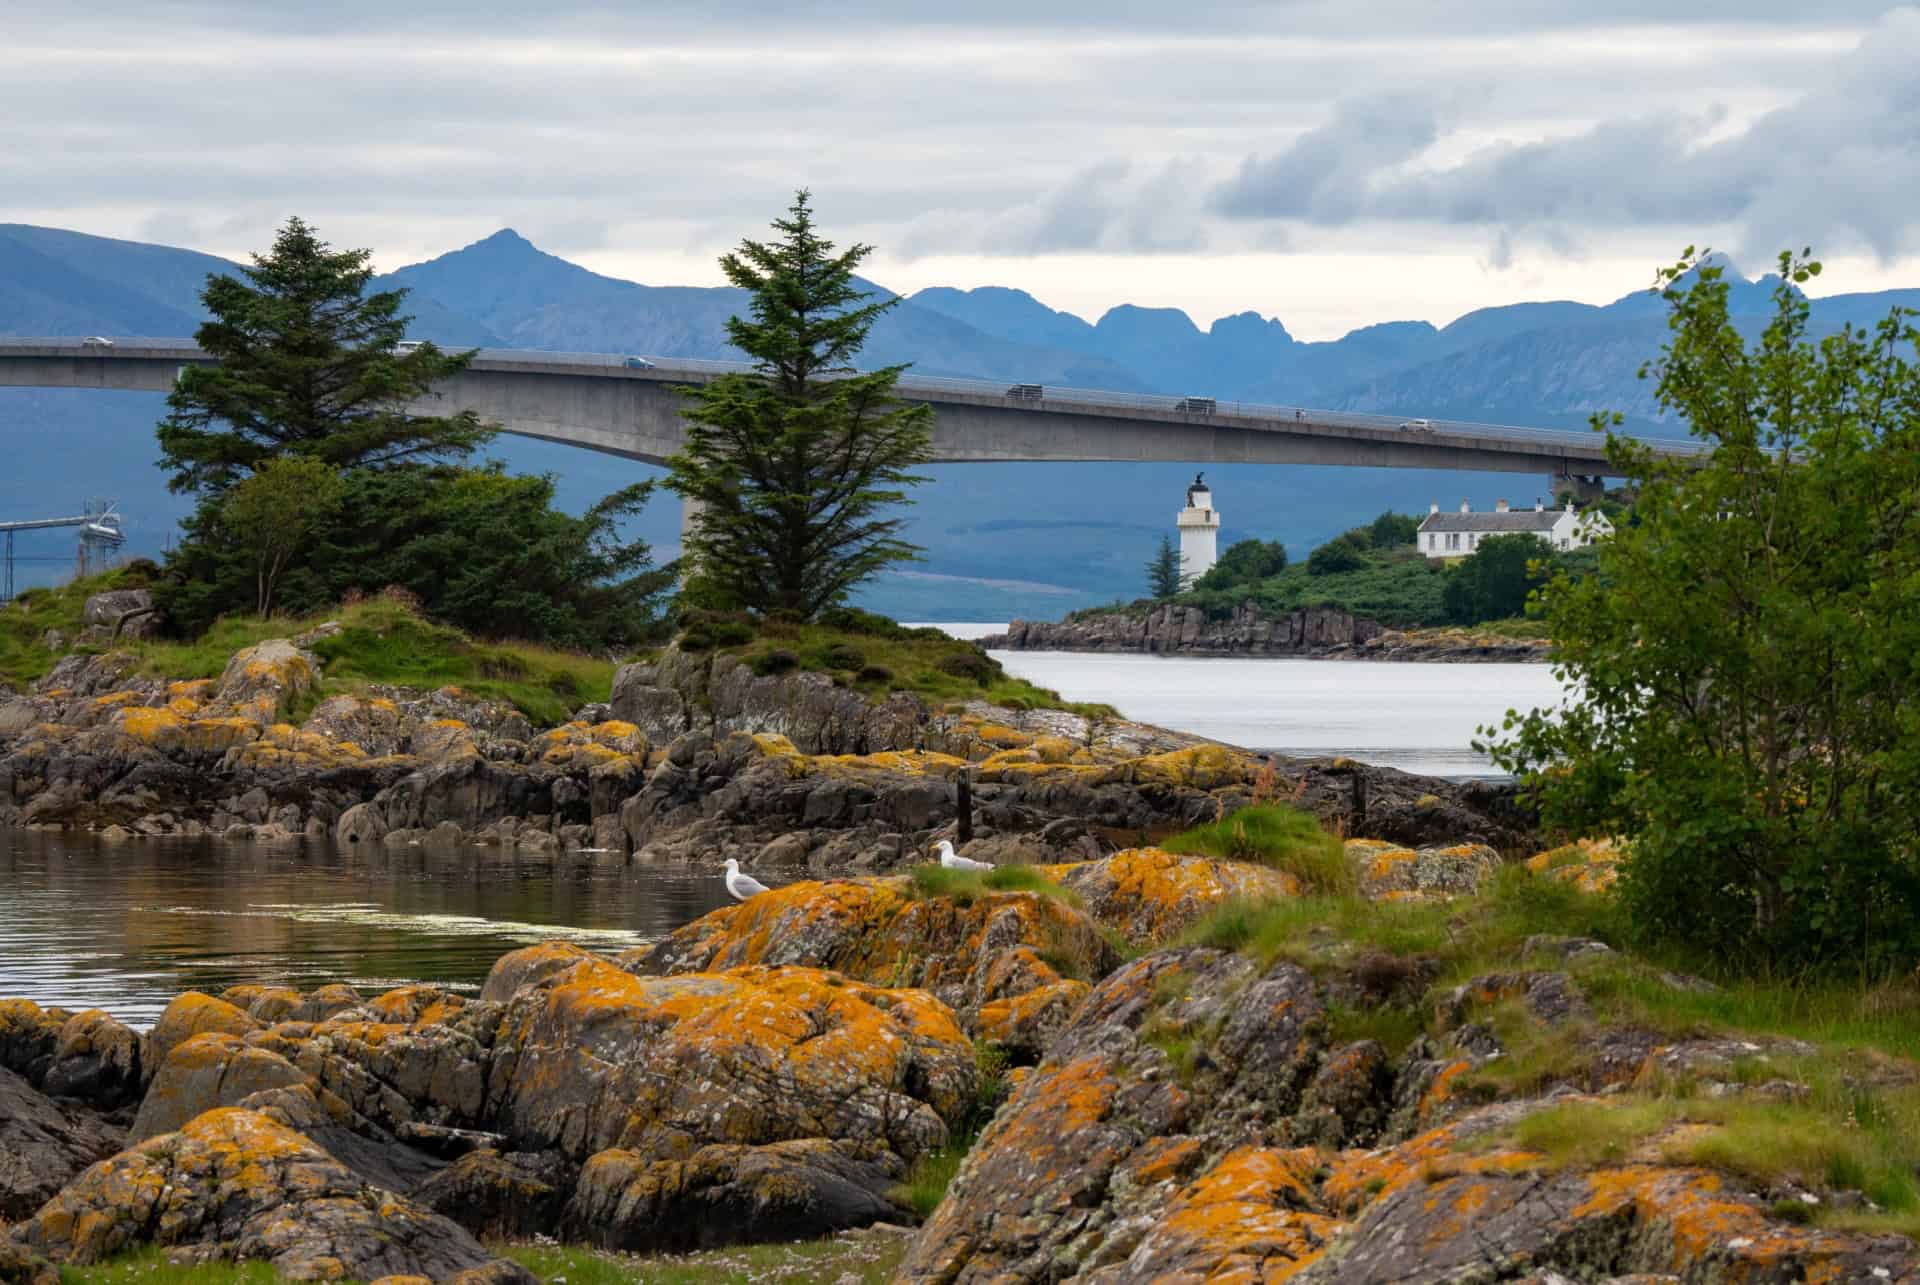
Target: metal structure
(100, 534)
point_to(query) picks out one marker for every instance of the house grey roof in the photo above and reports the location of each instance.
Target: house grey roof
(1514, 520)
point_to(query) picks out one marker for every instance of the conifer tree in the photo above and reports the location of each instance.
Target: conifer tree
(1163, 571)
(794, 467)
(309, 365)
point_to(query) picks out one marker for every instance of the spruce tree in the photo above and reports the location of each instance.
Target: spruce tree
(309, 365)
(794, 467)
(1163, 571)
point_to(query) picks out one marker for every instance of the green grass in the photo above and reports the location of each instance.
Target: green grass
(876, 656)
(1842, 1138)
(967, 886)
(1279, 836)
(870, 1260)
(150, 1267)
(25, 621)
(381, 642)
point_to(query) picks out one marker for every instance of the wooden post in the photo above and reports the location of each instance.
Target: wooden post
(963, 803)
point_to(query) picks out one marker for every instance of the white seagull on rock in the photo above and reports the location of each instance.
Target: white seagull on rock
(742, 886)
(954, 861)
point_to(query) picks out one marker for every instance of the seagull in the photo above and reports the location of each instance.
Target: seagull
(954, 861)
(741, 886)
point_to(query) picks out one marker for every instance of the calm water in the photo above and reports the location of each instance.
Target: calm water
(1419, 718)
(126, 927)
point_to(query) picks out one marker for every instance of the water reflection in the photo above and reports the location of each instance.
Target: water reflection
(126, 927)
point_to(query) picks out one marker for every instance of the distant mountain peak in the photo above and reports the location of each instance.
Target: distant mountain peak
(506, 239)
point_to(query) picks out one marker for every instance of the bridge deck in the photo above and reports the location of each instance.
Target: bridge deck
(599, 401)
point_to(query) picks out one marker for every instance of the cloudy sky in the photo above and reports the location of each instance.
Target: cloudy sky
(1329, 162)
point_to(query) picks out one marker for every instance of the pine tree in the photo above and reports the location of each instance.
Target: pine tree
(1163, 571)
(309, 365)
(793, 467)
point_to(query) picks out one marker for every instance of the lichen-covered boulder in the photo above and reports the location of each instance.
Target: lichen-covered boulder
(1391, 872)
(43, 1143)
(974, 950)
(234, 1185)
(1150, 896)
(594, 1058)
(206, 1071)
(1167, 1067)
(499, 1194)
(29, 1037)
(263, 681)
(1591, 865)
(730, 1194)
(189, 1014)
(530, 964)
(96, 1061)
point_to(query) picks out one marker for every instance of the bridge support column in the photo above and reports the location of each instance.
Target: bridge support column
(1584, 489)
(690, 510)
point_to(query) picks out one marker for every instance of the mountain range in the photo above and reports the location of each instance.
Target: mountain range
(1001, 540)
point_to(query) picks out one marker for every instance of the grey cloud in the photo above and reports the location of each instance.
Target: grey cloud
(1840, 164)
(1110, 206)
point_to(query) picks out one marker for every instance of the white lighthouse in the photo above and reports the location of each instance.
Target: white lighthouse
(1199, 525)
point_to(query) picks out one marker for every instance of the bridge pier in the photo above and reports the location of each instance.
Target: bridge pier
(1585, 489)
(690, 510)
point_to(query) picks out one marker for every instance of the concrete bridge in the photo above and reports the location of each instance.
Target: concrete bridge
(628, 407)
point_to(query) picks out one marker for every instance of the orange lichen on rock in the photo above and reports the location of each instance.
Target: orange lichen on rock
(1150, 895)
(1201, 767)
(1592, 865)
(660, 1065)
(1249, 1218)
(189, 1014)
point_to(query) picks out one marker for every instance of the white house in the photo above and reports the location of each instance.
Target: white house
(1455, 535)
(1199, 527)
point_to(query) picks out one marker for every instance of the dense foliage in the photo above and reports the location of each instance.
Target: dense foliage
(1336, 556)
(1744, 668)
(317, 483)
(482, 550)
(1492, 582)
(792, 468)
(1245, 562)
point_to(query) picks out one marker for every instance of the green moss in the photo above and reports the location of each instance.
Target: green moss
(1274, 835)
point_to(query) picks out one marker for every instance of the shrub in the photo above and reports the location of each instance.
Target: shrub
(1278, 836)
(875, 674)
(975, 665)
(776, 661)
(851, 620)
(1335, 556)
(843, 656)
(1738, 671)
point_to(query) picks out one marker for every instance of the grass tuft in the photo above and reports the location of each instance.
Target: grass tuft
(967, 886)
(1275, 835)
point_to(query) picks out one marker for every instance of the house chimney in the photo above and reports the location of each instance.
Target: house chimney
(1536, 504)
(1569, 502)
(1433, 506)
(1465, 507)
(1499, 506)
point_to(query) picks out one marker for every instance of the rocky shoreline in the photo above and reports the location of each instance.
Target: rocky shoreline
(1326, 633)
(695, 757)
(779, 1069)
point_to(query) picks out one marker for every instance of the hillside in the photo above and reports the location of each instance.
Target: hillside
(1034, 540)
